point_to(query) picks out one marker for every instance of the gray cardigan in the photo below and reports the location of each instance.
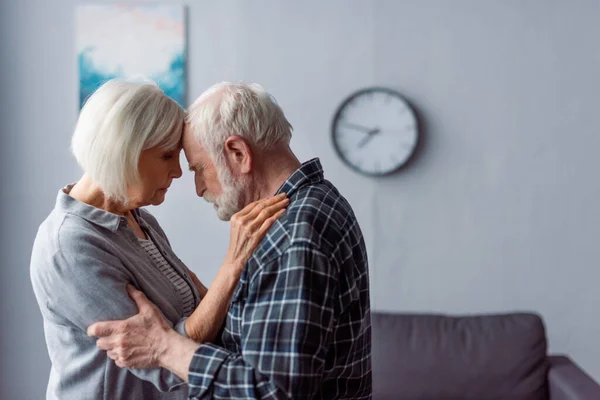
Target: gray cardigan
(82, 259)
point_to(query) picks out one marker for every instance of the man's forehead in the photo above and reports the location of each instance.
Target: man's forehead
(188, 129)
(189, 139)
(195, 154)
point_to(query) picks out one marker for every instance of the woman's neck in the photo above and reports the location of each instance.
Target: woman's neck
(86, 191)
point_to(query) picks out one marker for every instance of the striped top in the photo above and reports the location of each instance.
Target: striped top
(184, 290)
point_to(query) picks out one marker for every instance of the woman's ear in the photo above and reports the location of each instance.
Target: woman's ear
(238, 154)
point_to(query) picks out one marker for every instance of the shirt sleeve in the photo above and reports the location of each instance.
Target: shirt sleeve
(286, 330)
(78, 288)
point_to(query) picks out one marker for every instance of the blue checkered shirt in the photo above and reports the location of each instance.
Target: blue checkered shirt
(299, 324)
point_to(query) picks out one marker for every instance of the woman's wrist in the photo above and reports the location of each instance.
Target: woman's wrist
(206, 319)
(234, 267)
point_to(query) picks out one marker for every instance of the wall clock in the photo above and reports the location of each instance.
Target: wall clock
(375, 131)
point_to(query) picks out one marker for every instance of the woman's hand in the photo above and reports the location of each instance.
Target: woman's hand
(249, 226)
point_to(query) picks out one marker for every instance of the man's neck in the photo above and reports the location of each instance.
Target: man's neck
(276, 169)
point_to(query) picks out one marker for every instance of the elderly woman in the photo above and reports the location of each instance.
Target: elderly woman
(98, 239)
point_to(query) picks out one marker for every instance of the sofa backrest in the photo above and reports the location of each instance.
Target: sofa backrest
(438, 357)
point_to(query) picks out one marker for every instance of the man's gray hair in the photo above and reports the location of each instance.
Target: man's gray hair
(119, 121)
(245, 110)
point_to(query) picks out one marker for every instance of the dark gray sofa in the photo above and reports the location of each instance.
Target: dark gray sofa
(437, 357)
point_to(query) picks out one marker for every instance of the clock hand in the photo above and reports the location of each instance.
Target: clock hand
(356, 127)
(368, 138)
(363, 142)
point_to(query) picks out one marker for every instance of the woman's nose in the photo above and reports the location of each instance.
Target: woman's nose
(176, 171)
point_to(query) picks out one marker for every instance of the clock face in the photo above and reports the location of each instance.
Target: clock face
(375, 131)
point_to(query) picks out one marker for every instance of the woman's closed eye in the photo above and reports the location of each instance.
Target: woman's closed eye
(169, 155)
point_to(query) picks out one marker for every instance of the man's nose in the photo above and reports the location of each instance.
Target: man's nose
(200, 186)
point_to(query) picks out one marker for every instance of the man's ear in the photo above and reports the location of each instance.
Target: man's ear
(238, 154)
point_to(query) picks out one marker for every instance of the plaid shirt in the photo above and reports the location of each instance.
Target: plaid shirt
(299, 324)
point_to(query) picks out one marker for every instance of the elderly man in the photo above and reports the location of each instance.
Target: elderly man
(298, 324)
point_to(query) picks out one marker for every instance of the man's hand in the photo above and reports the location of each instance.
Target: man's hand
(137, 342)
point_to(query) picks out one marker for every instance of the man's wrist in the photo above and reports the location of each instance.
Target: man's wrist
(176, 353)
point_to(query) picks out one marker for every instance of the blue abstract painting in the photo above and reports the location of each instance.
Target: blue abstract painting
(131, 42)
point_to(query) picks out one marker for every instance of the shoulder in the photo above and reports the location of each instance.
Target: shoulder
(319, 214)
(66, 243)
(62, 231)
(317, 218)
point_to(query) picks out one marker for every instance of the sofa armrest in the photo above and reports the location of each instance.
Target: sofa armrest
(566, 381)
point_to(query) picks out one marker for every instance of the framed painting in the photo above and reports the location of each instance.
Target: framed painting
(131, 42)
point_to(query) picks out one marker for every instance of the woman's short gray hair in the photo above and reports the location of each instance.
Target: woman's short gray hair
(245, 110)
(119, 121)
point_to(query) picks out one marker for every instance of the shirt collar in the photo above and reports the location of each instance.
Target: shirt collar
(310, 172)
(96, 216)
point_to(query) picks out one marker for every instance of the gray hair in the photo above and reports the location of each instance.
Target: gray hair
(119, 121)
(245, 110)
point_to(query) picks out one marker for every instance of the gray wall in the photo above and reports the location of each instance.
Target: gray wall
(498, 212)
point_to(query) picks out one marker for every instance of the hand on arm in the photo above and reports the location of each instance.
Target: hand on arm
(87, 285)
(145, 340)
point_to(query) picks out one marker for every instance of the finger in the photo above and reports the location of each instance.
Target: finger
(247, 209)
(104, 344)
(255, 207)
(261, 214)
(112, 354)
(268, 223)
(264, 202)
(275, 207)
(257, 218)
(140, 299)
(272, 200)
(260, 233)
(105, 328)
